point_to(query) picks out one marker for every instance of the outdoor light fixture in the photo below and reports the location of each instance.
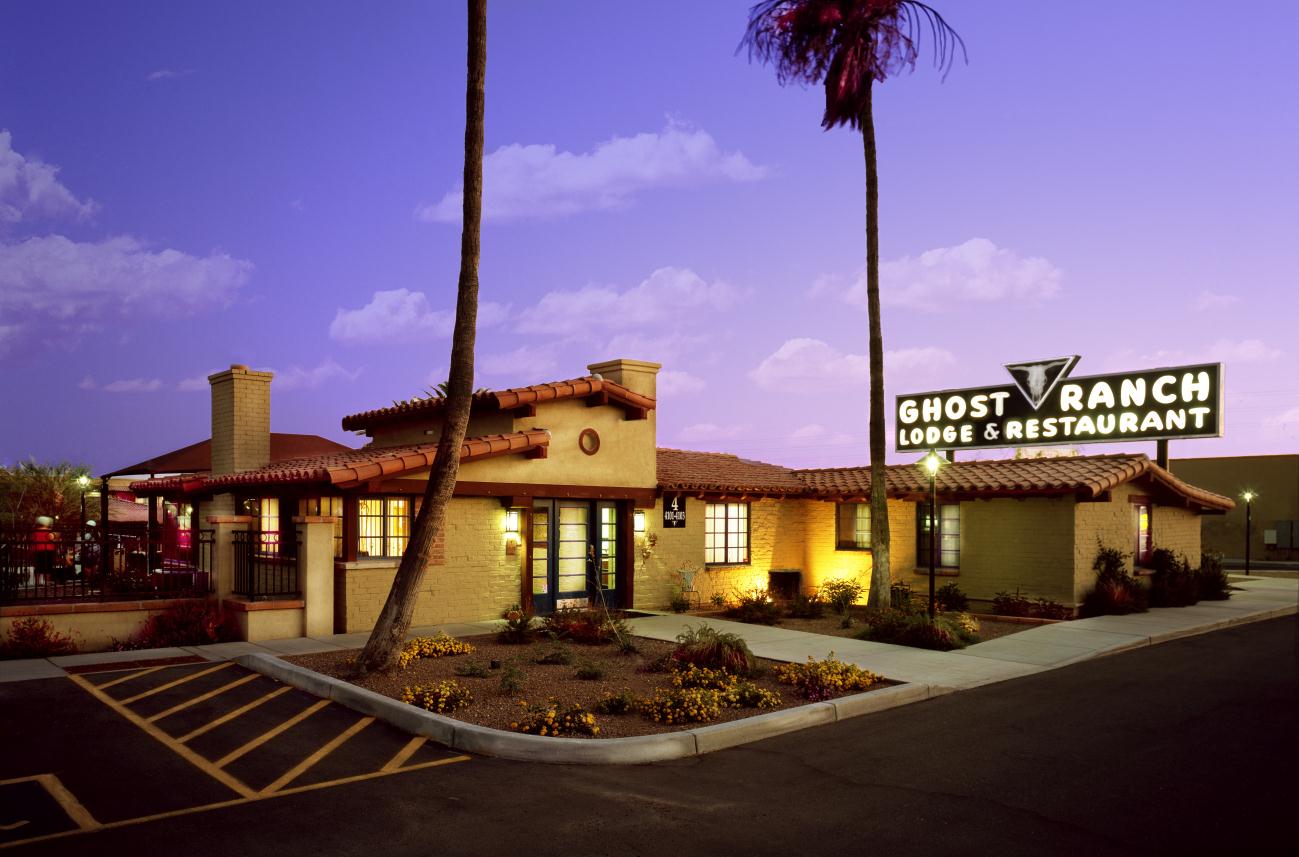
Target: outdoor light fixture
(84, 482)
(931, 463)
(638, 523)
(512, 523)
(1248, 497)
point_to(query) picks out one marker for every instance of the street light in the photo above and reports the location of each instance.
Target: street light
(931, 463)
(1248, 497)
(83, 481)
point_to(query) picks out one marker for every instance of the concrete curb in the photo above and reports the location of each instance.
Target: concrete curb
(640, 750)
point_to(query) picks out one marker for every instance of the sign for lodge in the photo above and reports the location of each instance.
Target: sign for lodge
(1046, 407)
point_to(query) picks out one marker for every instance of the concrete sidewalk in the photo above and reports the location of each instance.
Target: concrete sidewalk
(1040, 648)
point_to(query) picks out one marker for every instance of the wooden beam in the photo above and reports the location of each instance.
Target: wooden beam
(597, 400)
(528, 410)
(538, 452)
(632, 413)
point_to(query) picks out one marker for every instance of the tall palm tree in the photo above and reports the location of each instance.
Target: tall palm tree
(849, 45)
(381, 650)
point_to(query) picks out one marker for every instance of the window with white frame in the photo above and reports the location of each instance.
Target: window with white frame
(949, 535)
(726, 533)
(853, 526)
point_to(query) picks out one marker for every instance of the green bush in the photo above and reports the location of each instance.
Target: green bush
(34, 637)
(558, 656)
(1116, 592)
(1014, 604)
(190, 622)
(518, 626)
(913, 629)
(806, 607)
(840, 594)
(1174, 583)
(588, 671)
(590, 626)
(1211, 582)
(472, 669)
(708, 647)
(951, 599)
(679, 602)
(900, 597)
(754, 607)
(511, 680)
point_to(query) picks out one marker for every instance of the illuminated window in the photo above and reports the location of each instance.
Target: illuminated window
(853, 526)
(726, 533)
(949, 535)
(265, 512)
(1144, 546)
(383, 526)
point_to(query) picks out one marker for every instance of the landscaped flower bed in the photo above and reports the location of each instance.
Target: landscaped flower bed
(553, 687)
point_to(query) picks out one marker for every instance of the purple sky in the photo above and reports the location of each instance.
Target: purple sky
(186, 185)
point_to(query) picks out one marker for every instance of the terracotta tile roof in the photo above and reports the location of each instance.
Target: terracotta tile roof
(122, 512)
(506, 399)
(350, 466)
(1087, 476)
(197, 457)
(684, 470)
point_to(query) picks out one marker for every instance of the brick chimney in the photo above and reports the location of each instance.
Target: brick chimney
(241, 419)
(638, 376)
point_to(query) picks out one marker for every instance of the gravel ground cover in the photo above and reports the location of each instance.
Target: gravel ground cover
(830, 625)
(540, 682)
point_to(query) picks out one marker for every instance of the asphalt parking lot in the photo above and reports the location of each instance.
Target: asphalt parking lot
(114, 748)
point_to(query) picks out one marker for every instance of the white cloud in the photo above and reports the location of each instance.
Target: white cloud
(1220, 351)
(537, 180)
(400, 315)
(1212, 300)
(812, 366)
(30, 188)
(196, 384)
(526, 361)
(676, 383)
(167, 74)
(711, 431)
(133, 385)
(668, 294)
(977, 271)
(811, 431)
(1284, 425)
(299, 378)
(86, 383)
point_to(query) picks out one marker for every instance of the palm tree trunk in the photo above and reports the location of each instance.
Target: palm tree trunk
(389, 632)
(880, 577)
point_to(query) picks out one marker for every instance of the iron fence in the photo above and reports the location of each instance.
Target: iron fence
(68, 567)
(265, 565)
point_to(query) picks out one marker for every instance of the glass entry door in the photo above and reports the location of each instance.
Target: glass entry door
(573, 554)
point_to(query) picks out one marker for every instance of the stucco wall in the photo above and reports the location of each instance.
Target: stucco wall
(478, 579)
(1273, 478)
(92, 625)
(1010, 543)
(1177, 530)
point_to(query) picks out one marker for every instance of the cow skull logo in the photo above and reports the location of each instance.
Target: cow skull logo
(1036, 380)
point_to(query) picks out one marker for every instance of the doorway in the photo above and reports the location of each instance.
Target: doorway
(573, 554)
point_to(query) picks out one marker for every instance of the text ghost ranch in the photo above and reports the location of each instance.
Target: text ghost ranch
(1180, 402)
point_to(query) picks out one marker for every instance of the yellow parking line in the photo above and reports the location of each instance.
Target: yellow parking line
(169, 685)
(163, 738)
(204, 697)
(268, 735)
(226, 718)
(65, 799)
(404, 754)
(106, 685)
(309, 762)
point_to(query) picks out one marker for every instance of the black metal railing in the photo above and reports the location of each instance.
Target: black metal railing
(265, 565)
(66, 567)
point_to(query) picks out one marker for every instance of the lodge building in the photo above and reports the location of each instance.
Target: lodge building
(562, 494)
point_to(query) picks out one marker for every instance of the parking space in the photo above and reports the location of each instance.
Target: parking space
(127, 746)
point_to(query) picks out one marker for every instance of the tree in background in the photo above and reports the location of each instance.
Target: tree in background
(29, 489)
(849, 45)
(385, 643)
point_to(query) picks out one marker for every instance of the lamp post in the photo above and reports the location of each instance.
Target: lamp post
(83, 482)
(931, 463)
(1248, 497)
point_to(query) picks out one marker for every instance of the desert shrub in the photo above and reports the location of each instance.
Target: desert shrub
(473, 669)
(816, 680)
(717, 599)
(622, 702)
(965, 626)
(708, 647)
(915, 629)
(555, 718)
(662, 664)
(1173, 583)
(432, 647)
(754, 607)
(588, 671)
(900, 597)
(589, 626)
(34, 637)
(511, 681)
(951, 599)
(190, 622)
(840, 594)
(679, 602)
(1116, 591)
(1011, 604)
(627, 646)
(444, 697)
(1211, 582)
(682, 705)
(693, 675)
(559, 656)
(1045, 608)
(806, 607)
(746, 694)
(518, 626)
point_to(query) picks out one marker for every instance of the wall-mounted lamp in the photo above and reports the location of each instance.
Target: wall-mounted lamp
(638, 523)
(512, 534)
